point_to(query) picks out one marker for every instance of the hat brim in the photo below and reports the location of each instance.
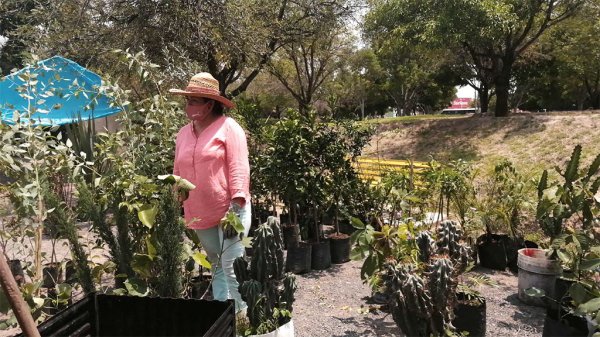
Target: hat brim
(227, 103)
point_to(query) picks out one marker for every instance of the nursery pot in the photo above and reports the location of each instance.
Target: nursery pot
(112, 315)
(470, 315)
(340, 248)
(321, 255)
(70, 272)
(491, 249)
(346, 227)
(291, 235)
(50, 274)
(512, 248)
(536, 270)
(562, 323)
(298, 259)
(16, 270)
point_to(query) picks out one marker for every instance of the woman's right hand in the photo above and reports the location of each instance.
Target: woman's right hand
(182, 195)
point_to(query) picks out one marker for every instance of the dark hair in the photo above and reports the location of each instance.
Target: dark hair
(218, 108)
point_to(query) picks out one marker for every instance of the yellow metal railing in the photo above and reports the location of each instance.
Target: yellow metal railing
(372, 169)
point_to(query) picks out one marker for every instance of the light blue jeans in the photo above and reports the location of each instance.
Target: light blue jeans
(224, 285)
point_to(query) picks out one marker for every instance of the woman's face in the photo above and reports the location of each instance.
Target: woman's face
(198, 108)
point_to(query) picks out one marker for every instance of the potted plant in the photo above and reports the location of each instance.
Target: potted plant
(504, 200)
(268, 292)
(568, 212)
(423, 293)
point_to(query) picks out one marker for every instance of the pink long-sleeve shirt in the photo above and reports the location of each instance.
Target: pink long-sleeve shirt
(216, 161)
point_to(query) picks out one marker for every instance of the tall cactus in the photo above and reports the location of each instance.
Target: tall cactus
(423, 295)
(263, 285)
(425, 244)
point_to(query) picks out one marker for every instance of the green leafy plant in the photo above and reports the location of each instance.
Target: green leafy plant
(570, 202)
(504, 200)
(568, 212)
(268, 293)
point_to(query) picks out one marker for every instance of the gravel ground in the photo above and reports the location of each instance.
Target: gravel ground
(335, 303)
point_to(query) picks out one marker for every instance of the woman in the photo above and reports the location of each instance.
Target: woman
(211, 152)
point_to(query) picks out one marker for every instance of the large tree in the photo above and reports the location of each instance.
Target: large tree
(413, 68)
(303, 66)
(232, 39)
(15, 21)
(493, 33)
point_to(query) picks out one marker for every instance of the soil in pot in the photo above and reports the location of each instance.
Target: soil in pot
(16, 268)
(298, 259)
(321, 255)
(340, 248)
(470, 314)
(563, 324)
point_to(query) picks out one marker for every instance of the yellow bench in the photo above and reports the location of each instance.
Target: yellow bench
(373, 168)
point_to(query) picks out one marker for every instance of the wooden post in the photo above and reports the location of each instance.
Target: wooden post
(20, 308)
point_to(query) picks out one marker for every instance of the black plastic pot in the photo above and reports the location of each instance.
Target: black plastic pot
(340, 248)
(498, 251)
(16, 269)
(111, 315)
(346, 227)
(561, 287)
(50, 273)
(321, 255)
(70, 272)
(512, 252)
(470, 316)
(491, 249)
(299, 257)
(291, 235)
(563, 324)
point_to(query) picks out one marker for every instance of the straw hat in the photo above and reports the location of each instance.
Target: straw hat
(203, 85)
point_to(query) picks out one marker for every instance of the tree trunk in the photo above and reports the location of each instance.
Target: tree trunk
(502, 84)
(484, 99)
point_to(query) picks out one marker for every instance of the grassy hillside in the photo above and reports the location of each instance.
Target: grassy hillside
(532, 142)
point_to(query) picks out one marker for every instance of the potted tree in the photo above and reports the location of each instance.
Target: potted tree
(504, 200)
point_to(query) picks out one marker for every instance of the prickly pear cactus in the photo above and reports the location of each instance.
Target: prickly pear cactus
(262, 285)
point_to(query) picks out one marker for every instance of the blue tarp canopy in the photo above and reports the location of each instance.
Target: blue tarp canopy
(56, 91)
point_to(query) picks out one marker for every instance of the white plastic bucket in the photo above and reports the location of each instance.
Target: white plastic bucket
(536, 270)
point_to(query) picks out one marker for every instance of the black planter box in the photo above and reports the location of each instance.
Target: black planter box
(111, 315)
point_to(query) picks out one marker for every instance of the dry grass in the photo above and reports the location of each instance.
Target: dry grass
(533, 142)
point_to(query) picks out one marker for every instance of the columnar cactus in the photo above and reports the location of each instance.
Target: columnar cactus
(423, 295)
(263, 286)
(425, 244)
